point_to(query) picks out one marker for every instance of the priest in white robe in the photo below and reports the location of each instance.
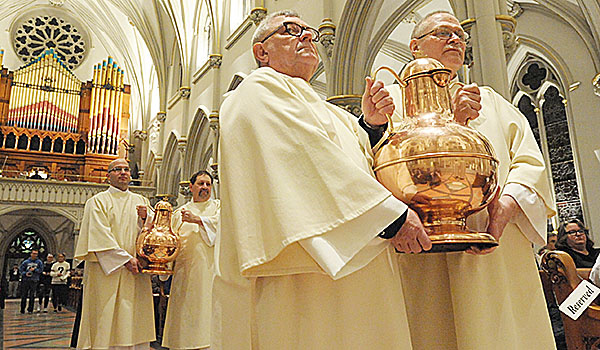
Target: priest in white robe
(299, 264)
(488, 299)
(187, 324)
(117, 311)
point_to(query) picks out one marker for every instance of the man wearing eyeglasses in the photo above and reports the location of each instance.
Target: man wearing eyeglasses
(303, 260)
(490, 299)
(117, 306)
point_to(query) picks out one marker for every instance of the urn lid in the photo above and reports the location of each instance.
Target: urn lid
(163, 205)
(425, 66)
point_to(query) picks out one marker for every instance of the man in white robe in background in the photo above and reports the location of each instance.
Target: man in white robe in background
(489, 299)
(299, 264)
(187, 324)
(117, 311)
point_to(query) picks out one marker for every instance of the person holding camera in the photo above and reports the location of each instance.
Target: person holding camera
(30, 270)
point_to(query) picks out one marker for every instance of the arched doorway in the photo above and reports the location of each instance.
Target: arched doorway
(21, 246)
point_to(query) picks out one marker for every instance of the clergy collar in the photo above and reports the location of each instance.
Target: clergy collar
(113, 189)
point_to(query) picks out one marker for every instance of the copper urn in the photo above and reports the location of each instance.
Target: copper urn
(443, 170)
(157, 242)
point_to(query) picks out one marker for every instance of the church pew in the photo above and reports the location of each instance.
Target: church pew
(560, 278)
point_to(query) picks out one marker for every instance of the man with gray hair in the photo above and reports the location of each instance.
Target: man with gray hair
(304, 258)
(490, 299)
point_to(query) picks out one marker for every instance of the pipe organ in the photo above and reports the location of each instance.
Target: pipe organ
(53, 122)
(105, 106)
(45, 95)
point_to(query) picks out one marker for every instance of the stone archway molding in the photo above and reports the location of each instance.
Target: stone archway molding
(356, 46)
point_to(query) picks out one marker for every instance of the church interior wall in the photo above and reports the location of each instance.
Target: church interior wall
(568, 51)
(55, 229)
(95, 53)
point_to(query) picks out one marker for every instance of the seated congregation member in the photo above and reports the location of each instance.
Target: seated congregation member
(117, 310)
(187, 324)
(573, 238)
(303, 258)
(490, 299)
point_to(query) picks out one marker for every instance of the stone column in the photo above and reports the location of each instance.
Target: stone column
(162, 118)
(214, 127)
(184, 188)
(491, 30)
(75, 238)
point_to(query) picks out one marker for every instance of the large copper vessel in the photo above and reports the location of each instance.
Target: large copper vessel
(158, 243)
(443, 170)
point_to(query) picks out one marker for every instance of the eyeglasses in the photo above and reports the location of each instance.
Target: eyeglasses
(446, 34)
(576, 232)
(119, 169)
(294, 29)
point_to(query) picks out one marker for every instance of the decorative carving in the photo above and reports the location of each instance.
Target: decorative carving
(596, 84)
(57, 3)
(215, 171)
(554, 267)
(215, 60)
(508, 24)
(351, 103)
(184, 188)
(327, 35)
(39, 33)
(141, 135)
(61, 194)
(181, 146)
(185, 92)
(158, 160)
(514, 9)
(213, 117)
(161, 116)
(257, 14)
(411, 18)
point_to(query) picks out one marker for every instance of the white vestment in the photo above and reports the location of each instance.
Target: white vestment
(494, 301)
(187, 324)
(298, 261)
(117, 306)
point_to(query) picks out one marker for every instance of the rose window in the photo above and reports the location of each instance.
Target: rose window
(41, 33)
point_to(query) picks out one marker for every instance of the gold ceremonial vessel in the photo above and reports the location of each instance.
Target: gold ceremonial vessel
(443, 170)
(158, 243)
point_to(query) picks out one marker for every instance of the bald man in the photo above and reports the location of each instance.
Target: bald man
(117, 310)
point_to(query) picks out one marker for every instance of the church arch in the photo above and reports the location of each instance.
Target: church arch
(199, 140)
(170, 172)
(538, 92)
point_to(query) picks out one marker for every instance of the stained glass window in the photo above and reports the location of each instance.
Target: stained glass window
(27, 241)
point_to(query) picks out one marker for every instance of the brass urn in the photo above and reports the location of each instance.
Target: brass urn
(443, 170)
(157, 242)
